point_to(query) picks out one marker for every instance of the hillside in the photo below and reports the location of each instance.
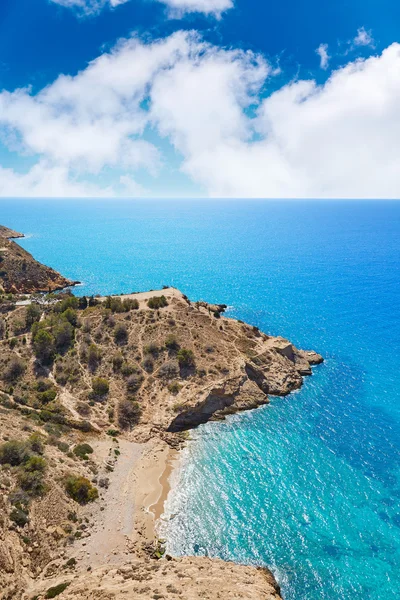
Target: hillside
(95, 396)
(21, 273)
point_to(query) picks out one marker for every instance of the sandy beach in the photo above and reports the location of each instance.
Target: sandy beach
(125, 519)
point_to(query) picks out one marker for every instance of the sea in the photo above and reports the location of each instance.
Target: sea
(310, 484)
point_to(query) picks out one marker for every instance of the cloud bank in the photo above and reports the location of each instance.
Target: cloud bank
(234, 139)
(177, 8)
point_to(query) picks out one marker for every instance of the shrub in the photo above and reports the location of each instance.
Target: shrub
(127, 369)
(157, 302)
(32, 482)
(56, 590)
(174, 388)
(185, 357)
(121, 334)
(82, 451)
(171, 343)
(134, 382)
(129, 413)
(35, 442)
(169, 370)
(14, 453)
(14, 369)
(100, 386)
(151, 349)
(80, 489)
(148, 364)
(117, 361)
(130, 304)
(47, 396)
(93, 357)
(19, 517)
(35, 463)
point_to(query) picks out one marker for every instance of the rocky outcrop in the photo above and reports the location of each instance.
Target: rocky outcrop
(20, 273)
(187, 578)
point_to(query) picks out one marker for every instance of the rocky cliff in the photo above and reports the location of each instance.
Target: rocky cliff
(20, 272)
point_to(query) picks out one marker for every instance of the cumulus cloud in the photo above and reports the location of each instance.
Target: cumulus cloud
(233, 138)
(324, 57)
(177, 7)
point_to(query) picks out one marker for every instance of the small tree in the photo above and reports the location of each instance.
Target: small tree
(43, 346)
(33, 314)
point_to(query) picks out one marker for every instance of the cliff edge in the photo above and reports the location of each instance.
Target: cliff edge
(20, 273)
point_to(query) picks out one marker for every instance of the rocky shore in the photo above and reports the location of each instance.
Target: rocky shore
(101, 392)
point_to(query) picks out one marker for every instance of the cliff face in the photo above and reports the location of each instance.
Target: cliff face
(21, 273)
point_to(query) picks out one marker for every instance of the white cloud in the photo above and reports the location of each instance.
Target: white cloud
(322, 52)
(177, 7)
(363, 38)
(340, 139)
(45, 180)
(208, 7)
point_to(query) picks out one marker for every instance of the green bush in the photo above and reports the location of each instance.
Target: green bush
(121, 334)
(82, 451)
(80, 489)
(185, 357)
(14, 453)
(19, 517)
(47, 396)
(171, 343)
(32, 482)
(94, 357)
(56, 590)
(174, 388)
(157, 302)
(35, 463)
(117, 361)
(100, 386)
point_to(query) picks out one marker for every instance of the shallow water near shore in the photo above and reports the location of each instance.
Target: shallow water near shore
(309, 485)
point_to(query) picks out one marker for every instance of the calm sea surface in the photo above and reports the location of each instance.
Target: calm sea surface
(309, 485)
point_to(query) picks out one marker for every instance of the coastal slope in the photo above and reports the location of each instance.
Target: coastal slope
(20, 272)
(95, 396)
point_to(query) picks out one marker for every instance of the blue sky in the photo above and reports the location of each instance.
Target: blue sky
(268, 67)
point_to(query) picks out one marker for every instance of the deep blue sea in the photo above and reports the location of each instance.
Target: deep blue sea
(309, 485)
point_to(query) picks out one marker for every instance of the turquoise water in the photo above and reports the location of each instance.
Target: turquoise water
(309, 485)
